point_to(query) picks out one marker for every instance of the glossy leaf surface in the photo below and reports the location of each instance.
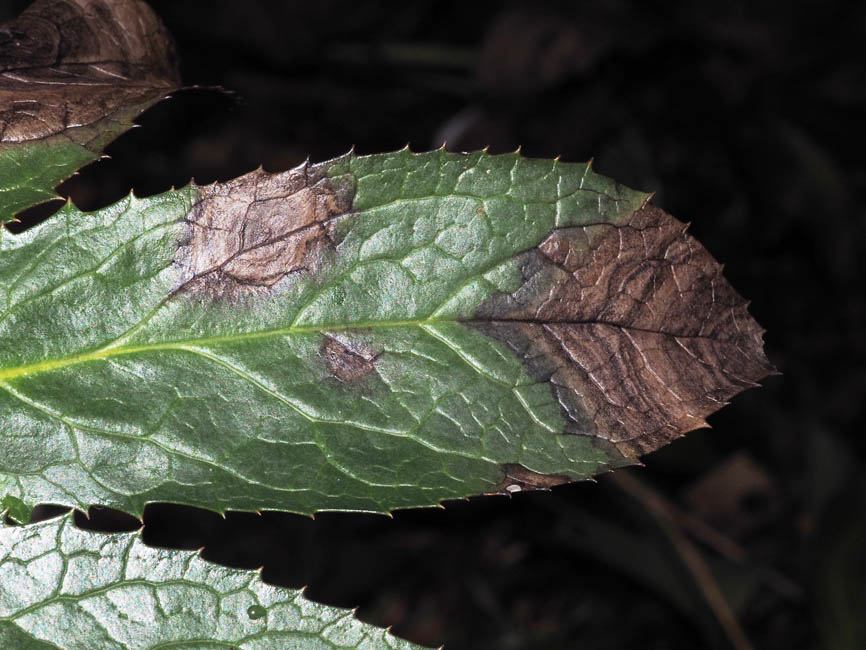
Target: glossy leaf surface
(369, 333)
(76, 590)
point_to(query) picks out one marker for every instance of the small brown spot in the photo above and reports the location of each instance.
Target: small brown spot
(480, 212)
(517, 478)
(246, 235)
(347, 360)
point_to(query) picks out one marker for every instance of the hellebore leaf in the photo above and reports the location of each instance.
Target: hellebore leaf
(73, 75)
(368, 333)
(67, 588)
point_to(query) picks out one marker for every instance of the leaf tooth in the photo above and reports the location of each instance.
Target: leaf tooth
(302, 167)
(649, 197)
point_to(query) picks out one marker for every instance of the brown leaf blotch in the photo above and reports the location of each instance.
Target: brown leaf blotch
(246, 235)
(68, 64)
(634, 327)
(347, 360)
(516, 478)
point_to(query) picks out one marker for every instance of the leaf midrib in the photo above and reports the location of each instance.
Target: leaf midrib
(113, 350)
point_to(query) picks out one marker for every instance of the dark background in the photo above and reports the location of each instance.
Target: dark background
(747, 120)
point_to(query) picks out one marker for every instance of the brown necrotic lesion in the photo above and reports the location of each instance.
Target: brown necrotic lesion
(517, 478)
(244, 236)
(347, 359)
(67, 65)
(633, 326)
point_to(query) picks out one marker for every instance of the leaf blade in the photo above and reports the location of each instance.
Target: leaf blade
(349, 335)
(68, 588)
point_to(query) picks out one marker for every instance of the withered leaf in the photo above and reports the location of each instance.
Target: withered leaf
(73, 74)
(369, 333)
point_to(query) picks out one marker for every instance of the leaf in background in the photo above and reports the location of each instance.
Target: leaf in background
(369, 333)
(73, 75)
(67, 588)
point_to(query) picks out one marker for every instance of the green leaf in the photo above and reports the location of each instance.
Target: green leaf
(14, 508)
(67, 588)
(73, 75)
(369, 333)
